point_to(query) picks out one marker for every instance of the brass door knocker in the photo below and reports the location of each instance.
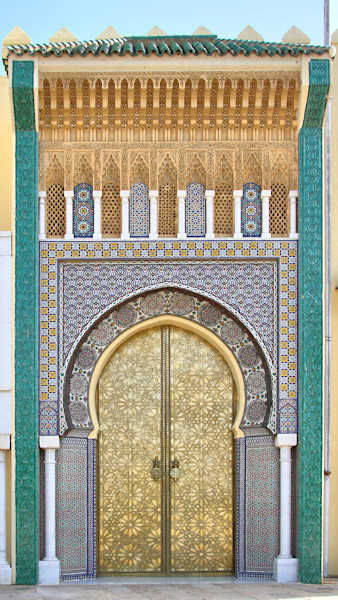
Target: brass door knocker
(156, 471)
(175, 470)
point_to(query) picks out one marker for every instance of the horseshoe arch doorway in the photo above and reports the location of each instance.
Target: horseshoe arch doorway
(166, 399)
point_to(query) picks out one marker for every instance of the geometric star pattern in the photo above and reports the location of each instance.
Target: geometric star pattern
(166, 395)
(53, 254)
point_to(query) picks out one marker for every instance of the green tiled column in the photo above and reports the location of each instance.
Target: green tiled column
(26, 324)
(311, 324)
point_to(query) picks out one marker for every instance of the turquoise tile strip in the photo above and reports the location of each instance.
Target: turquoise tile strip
(311, 324)
(26, 325)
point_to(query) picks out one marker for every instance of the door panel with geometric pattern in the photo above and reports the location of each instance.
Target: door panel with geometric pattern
(165, 485)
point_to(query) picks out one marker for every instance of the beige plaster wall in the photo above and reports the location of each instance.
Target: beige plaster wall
(333, 539)
(6, 157)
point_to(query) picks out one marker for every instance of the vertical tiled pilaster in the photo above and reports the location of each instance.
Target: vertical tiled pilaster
(311, 324)
(26, 324)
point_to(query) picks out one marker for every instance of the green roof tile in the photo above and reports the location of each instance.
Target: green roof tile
(175, 47)
(163, 48)
(161, 45)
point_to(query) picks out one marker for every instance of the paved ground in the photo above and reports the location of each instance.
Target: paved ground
(195, 589)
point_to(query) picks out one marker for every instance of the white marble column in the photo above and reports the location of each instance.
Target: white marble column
(265, 197)
(49, 567)
(42, 215)
(124, 194)
(209, 200)
(285, 566)
(97, 216)
(181, 196)
(5, 569)
(293, 196)
(69, 215)
(238, 194)
(153, 198)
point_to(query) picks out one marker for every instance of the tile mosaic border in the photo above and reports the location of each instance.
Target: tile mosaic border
(283, 251)
(240, 508)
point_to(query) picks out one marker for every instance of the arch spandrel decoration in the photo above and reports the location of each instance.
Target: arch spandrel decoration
(236, 344)
(250, 294)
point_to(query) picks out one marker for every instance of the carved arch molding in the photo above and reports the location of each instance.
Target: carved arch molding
(259, 407)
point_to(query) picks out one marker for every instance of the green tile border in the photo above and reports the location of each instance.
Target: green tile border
(311, 324)
(26, 324)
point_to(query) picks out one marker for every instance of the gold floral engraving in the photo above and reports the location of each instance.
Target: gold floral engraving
(165, 456)
(201, 392)
(130, 421)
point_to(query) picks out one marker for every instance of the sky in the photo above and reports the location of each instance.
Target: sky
(87, 19)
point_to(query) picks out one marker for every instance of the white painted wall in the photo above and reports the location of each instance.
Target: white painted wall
(5, 391)
(5, 331)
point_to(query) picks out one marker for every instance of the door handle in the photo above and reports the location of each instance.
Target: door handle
(156, 471)
(175, 470)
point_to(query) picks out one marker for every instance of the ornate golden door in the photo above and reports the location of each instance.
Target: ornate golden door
(165, 457)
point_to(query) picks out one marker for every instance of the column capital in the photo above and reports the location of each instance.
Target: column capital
(68, 194)
(153, 194)
(265, 194)
(5, 441)
(181, 194)
(42, 195)
(124, 194)
(286, 439)
(209, 194)
(49, 442)
(237, 194)
(97, 194)
(293, 195)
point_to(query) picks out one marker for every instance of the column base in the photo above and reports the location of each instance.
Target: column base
(266, 236)
(69, 236)
(5, 574)
(238, 236)
(285, 570)
(209, 236)
(125, 236)
(42, 236)
(97, 236)
(181, 236)
(293, 236)
(153, 236)
(49, 571)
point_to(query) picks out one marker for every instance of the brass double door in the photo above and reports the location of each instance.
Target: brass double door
(165, 457)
